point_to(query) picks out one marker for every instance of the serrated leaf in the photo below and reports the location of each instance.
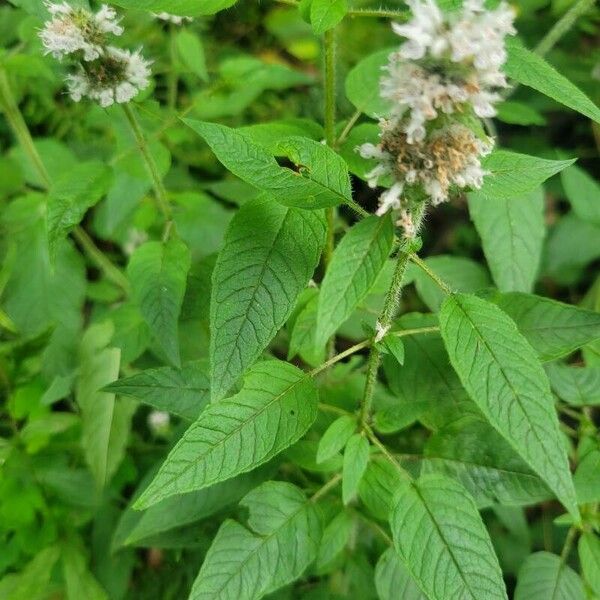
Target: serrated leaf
(583, 192)
(533, 71)
(191, 53)
(356, 457)
(269, 256)
(554, 329)
(442, 541)
(322, 179)
(576, 385)
(326, 14)
(281, 540)
(544, 576)
(589, 557)
(184, 8)
(335, 437)
(393, 581)
(71, 196)
(158, 272)
(500, 371)
(512, 174)
(276, 406)
(183, 392)
(357, 261)
(512, 232)
(362, 84)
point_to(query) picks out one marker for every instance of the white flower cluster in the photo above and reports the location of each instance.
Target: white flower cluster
(440, 82)
(105, 73)
(175, 19)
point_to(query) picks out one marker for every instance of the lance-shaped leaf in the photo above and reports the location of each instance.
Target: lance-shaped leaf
(282, 539)
(158, 273)
(276, 406)
(554, 329)
(393, 581)
(185, 8)
(512, 232)
(183, 392)
(533, 71)
(500, 371)
(355, 265)
(321, 179)
(442, 541)
(269, 256)
(544, 576)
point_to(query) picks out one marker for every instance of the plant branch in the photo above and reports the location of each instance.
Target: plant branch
(387, 454)
(340, 356)
(172, 75)
(362, 12)
(326, 488)
(348, 128)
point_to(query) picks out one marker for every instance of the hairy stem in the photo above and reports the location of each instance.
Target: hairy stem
(363, 12)
(19, 126)
(159, 188)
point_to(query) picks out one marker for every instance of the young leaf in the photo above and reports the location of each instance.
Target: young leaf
(512, 174)
(583, 192)
(335, 437)
(393, 581)
(512, 232)
(554, 329)
(191, 8)
(503, 376)
(269, 256)
(183, 392)
(362, 84)
(326, 14)
(589, 556)
(158, 273)
(356, 457)
(533, 71)
(355, 265)
(281, 540)
(576, 385)
(395, 346)
(275, 408)
(443, 542)
(545, 576)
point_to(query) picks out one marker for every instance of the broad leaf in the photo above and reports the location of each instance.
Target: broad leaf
(533, 71)
(362, 84)
(512, 232)
(158, 273)
(183, 392)
(269, 256)
(326, 14)
(276, 406)
(512, 175)
(191, 8)
(554, 329)
(576, 385)
(356, 457)
(393, 581)
(583, 192)
(281, 540)
(500, 371)
(355, 265)
(544, 576)
(442, 541)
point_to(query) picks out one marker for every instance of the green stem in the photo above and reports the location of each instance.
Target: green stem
(390, 307)
(23, 135)
(362, 12)
(564, 555)
(159, 188)
(333, 482)
(348, 128)
(388, 455)
(438, 280)
(563, 25)
(340, 356)
(172, 76)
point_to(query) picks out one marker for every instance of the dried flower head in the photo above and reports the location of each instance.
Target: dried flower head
(72, 30)
(175, 19)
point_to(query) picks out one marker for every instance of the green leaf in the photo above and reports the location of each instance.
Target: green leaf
(336, 436)
(356, 457)
(512, 231)
(587, 477)
(184, 8)
(362, 84)
(576, 385)
(500, 371)
(326, 14)
(533, 71)
(442, 541)
(356, 263)
(281, 540)
(322, 178)
(157, 272)
(34, 575)
(554, 329)
(183, 392)
(191, 53)
(395, 346)
(518, 113)
(269, 256)
(544, 576)
(335, 538)
(512, 175)
(475, 454)
(98, 366)
(70, 197)
(80, 582)
(589, 556)
(583, 192)
(304, 329)
(274, 409)
(378, 487)
(393, 581)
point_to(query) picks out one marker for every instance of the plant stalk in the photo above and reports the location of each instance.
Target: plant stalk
(173, 75)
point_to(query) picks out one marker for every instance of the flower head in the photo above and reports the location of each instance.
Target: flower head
(175, 19)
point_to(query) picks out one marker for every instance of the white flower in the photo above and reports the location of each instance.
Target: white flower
(175, 19)
(158, 421)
